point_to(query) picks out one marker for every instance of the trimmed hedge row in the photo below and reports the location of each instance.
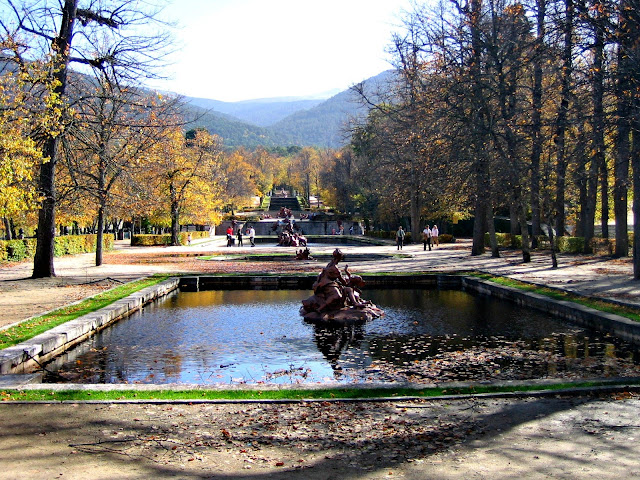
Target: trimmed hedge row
(563, 244)
(146, 240)
(601, 246)
(18, 250)
(391, 235)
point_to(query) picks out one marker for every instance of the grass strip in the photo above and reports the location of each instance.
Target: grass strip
(287, 394)
(601, 305)
(37, 325)
(235, 256)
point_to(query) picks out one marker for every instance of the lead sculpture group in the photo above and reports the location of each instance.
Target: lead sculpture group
(337, 297)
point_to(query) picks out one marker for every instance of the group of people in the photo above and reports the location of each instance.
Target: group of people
(429, 236)
(251, 233)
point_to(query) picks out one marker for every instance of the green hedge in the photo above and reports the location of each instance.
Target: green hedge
(446, 238)
(18, 250)
(165, 239)
(570, 244)
(74, 244)
(389, 234)
(147, 240)
(607, 246)
(563, 244)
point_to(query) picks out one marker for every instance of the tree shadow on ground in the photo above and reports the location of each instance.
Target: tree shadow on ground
(270, 441)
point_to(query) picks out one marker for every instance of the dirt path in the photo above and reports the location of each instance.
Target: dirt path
(493, 439)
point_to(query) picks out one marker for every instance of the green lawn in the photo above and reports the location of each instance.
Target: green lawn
(37, 325)
(289, 394)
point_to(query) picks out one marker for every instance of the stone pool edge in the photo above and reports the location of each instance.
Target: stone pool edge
(26, 356)
(17, 361)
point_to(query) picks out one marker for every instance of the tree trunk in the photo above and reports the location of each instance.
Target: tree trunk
(7, 229)
(635, 165)
(46, 232)
(623, 151)
(581, 180)
(100, 234)
(630, 42)
(514, 225)
(43, 258)
(415, 216)
(495, 251)
(524, 235)
(589, 177)
(562, 119)
(481, 162)
(518, 199)
(552, 243)
(175, 223)
(477, 248)
(536, 121)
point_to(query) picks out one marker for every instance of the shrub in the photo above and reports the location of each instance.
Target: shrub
(149, 240)
(14, 250)
(165, 239)
(543, 241)
(446, 238)
(563, 244)
(18, 250)
(602, 246)
(182, 238)
(570, 244)
(505, 240)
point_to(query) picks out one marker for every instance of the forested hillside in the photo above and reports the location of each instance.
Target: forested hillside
(313, 123)
(263, 113)
(234, 132)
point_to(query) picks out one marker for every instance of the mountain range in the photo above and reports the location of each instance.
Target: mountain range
(282, 122)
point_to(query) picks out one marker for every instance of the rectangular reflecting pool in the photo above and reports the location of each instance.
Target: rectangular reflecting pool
(258, 336)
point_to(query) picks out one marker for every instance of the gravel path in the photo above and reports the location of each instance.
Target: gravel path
(477, 438)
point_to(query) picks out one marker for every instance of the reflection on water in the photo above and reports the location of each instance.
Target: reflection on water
(256, 336)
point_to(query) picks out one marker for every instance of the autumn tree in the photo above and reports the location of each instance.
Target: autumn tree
(111, 129)
(185, 174)
(19, 154)
(109, 35)
(235, 179)
(305, 169)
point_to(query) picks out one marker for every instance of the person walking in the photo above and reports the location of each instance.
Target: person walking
(252, 234)
(400, 237)
(426, 237)
(239, 237)
(434, 236)
(229, 236)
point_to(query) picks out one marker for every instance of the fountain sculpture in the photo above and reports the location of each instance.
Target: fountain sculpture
(338, 298)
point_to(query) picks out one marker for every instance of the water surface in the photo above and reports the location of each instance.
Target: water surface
(256, 336)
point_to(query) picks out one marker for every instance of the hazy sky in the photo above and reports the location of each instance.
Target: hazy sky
(244, 49)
